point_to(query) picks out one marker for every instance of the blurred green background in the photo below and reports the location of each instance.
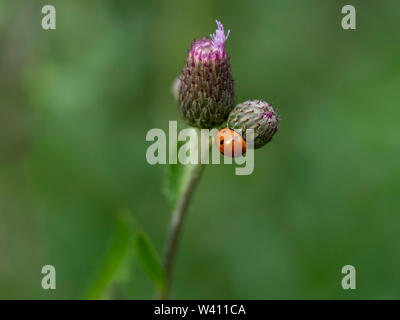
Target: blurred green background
(76, 104)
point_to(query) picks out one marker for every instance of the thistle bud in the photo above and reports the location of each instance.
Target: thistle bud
(206, 93)
(257, 115)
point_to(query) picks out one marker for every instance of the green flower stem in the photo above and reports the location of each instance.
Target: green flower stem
(177, 219)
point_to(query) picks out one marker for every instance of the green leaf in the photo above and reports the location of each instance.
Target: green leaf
(112, 268)
(149, 260)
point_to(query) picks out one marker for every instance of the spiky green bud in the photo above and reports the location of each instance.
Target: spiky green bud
(257, 115)
(206, 93)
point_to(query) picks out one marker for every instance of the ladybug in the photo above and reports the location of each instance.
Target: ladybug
(230, 143)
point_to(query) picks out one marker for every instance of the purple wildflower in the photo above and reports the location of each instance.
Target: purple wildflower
(218, 39)
(207, 92)
(206, 49)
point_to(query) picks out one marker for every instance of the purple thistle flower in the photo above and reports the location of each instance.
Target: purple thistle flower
(207, 92)
(206, 49)
(218, 39)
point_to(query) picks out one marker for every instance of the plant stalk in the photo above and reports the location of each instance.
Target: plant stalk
(177, 220)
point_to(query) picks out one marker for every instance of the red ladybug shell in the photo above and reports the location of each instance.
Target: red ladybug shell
(230, 143)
